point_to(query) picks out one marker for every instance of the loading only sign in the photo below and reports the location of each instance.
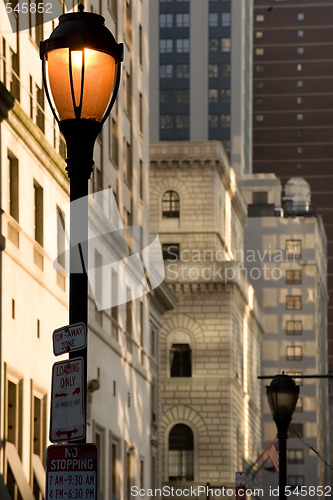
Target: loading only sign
(72, 472)
(67, 401)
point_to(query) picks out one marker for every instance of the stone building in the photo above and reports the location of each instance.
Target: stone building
(123, 341)
(210, 342)
(286, 263)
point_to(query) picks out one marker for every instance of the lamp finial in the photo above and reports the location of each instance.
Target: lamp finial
(81, 7)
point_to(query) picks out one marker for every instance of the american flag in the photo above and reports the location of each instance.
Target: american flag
(274, 457)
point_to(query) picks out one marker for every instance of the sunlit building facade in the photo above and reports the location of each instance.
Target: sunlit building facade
(286, 263)
(123, 408)
(210, 342)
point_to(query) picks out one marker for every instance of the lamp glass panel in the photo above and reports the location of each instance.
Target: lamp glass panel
(99, 74)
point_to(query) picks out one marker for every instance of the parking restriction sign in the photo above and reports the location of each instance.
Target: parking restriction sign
(72, 472)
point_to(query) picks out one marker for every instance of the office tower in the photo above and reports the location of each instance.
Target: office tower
(123, 340)
(200, 78)
(286, 264)
(292, 118)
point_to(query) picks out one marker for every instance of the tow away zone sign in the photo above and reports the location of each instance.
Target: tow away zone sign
(69, 338)
(72, 472)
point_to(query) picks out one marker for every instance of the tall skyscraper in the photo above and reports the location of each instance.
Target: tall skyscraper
(293, 99)
(201, 74)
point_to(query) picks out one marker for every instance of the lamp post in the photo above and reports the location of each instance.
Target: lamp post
(81, 73)
(282, 395)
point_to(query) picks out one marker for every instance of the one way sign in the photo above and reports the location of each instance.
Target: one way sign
(67, 404)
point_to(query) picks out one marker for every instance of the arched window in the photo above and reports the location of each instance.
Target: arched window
(181, 453)
(170, 204)
(180, 360)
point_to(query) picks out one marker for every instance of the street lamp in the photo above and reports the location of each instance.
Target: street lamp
(81, 73)
(282, 395)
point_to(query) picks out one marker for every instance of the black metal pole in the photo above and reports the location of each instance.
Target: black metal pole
(80, 138)
(282, 437)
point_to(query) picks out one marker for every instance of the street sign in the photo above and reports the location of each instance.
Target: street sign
(67, 401)
(69, 338)
(72, 471)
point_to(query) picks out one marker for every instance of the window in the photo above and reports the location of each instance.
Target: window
(259, 68)
(166, 20)
(61, 240)
(166, 96)
(182, 71)
(300, 33)
(182, 96)
(259, 34)
(259, 100)
(39, 213)
(294, 302)
(166, 121)
(225, 70)
(300, 50)
(299, 133)
(296, 429)
(40, 116)
(182, 45)
(300, 84)
(166, 46)
(213, 44)
(296, 480)
(170, 204)
(294, 353)
(225, 95)
(213, 95)
(129, 311)
(293, 249)
(182, 121)
(294, 327)
(259, 118)
(183, 20)
(299, 404)
(213, 121)
(171, 251)
(260, 51)
(225, 44)
(296, 375)
(180, 456)
(299, 149)
(293, 276)
(115, 467)
(295, 456)
(300, 117)
(13, 186)
(166, 71)
(259, 18)
(259, 85)
(299, 100)
(225, 121)
(226, 18)
(213, 70)
(114, 304)
(299, 67)
(180, 360)
(213, 19)
(300, 16)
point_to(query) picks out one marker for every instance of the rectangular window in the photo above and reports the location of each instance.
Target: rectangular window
(213, 95)
(225, 44)
(295, 456)
(260, 51)
(259, 68)
(182, 96)
(39, 213)
(296, 375)
(213, 70)
(166, 20)
(259, 34)
(141, 112)
(294, 352)
(182, 121)
(166, 71)
(129, 312)
(13, 186)
(259, 18)
(171, 251)
(166, 121)
(61, 240)
(182, 71)
(293, 276)
(259, 118)
(213, 121)
(296, 429)
(226, 68)
(300, 84)
(294, 327)
(182, 45)
(299, 67)
(114, 304)
(213, 44)
(294, 302)
(225, 120)
(300, 50)
(166, 46)
(296, 480)
(300, 16)
(213, 19)
(114, 142)
(180, 360)
(300, 33)
(40, 116)
(293, 249)
(226, 19)
(183, 20)
(115, 466)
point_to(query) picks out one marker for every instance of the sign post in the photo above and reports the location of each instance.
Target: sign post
(72, 471)
(240, 485)
(67, 401)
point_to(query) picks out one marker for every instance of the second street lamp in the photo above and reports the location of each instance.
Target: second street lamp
(81, 74)
(282, 395)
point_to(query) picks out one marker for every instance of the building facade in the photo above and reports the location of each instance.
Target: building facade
(286, 263)
(123, 340)
(200, 78)
(292, 98)
(210, 342)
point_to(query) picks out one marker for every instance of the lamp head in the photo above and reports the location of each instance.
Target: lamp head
(282, 395)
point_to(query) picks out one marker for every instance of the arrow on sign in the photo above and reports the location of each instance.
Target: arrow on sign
(60, 394)
(60, 433)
